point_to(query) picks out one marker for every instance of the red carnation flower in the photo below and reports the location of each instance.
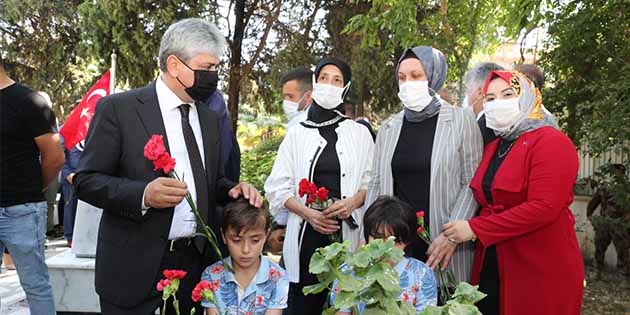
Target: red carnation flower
(197, 293)
(164, 162)
(420, 214)
(304, 187)
(154, 147)
(309, 200)
(174, 274)
(322, 194)
(420, 229)
(163, 284)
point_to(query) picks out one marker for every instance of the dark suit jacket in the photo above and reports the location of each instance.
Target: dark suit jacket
(487, 133)
(113, 174)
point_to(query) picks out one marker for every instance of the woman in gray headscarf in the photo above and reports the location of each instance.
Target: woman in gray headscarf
(426, 156)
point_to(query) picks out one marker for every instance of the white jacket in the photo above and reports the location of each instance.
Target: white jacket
(298, 154)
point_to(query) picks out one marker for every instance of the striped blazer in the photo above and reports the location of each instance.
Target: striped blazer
(457, 150)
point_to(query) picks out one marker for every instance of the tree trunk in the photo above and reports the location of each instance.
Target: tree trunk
(236, 47)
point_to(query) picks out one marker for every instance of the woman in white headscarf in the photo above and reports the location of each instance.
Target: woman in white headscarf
(426, 155)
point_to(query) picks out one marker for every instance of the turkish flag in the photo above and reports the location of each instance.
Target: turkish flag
(76, 126)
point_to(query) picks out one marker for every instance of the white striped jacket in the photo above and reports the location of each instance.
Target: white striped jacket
(457, 150)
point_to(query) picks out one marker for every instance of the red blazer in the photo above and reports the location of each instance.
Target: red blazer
(541, 270)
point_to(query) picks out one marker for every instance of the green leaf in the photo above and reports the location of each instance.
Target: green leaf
(466, 293)
(345, 299)
(375, 311)
(391, 306)
(314, 289)
(407, 309)
(360, 259)
(433, 310)
(331, 251)
(318, 264)
(348, 282)
(462, 309)
(386, 276)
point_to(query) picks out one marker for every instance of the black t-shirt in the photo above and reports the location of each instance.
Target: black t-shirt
(25, 115)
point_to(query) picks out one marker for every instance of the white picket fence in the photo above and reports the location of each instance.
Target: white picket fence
(589, 165)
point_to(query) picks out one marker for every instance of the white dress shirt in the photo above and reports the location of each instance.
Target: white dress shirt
(183, 223)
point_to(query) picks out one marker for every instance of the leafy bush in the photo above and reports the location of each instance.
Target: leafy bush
(462, 302)
(373, 280)
(257, 163)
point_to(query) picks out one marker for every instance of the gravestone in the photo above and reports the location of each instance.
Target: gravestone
(72, 272)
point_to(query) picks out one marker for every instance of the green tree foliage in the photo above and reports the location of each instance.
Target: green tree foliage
(457, 28)
(132, 28)
(588, 66)
(39, 41)
(588, 61)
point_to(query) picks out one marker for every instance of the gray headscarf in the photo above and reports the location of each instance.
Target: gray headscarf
(435, 67)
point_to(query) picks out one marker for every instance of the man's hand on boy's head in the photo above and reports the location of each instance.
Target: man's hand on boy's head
(248, 191)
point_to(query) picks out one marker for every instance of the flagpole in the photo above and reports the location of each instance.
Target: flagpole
(112, 73)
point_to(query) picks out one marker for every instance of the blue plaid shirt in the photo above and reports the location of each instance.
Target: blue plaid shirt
(268, 290)
(417, 282)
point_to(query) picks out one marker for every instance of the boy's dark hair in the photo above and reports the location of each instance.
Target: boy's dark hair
(394, 213)
(303, 76)
(240, 215)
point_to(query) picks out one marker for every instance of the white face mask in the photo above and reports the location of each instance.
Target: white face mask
(501, 115)
(415, 95)
(328, 96)
(291, 108)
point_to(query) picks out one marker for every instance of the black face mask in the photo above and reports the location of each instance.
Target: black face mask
(204, 85)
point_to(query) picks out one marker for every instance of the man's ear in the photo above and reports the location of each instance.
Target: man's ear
(308, 98)
(172, 66)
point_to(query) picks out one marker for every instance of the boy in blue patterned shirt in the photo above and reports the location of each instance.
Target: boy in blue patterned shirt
(257, 286)
(389, 216)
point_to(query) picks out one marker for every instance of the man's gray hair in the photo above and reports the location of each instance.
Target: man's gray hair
(188, 38)
(476, 76)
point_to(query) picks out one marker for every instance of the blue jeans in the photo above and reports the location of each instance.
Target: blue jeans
(23, 232)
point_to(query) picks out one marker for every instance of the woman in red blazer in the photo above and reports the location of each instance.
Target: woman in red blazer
(528, 260)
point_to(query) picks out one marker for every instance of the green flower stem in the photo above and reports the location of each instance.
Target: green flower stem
(212, 238)
(175, 304)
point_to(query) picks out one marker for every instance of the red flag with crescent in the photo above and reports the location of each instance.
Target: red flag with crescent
(76, 126)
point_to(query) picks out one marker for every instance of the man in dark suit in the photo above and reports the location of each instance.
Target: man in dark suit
(474, 80)
(147, 226)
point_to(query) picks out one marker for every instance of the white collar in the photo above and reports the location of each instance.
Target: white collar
(480, 114)
(166, 97)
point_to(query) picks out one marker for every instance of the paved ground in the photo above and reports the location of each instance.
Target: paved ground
(12, 296)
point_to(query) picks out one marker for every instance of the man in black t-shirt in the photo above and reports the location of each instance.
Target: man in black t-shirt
(30, 158)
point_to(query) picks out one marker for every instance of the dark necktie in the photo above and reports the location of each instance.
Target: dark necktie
(198, 172)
